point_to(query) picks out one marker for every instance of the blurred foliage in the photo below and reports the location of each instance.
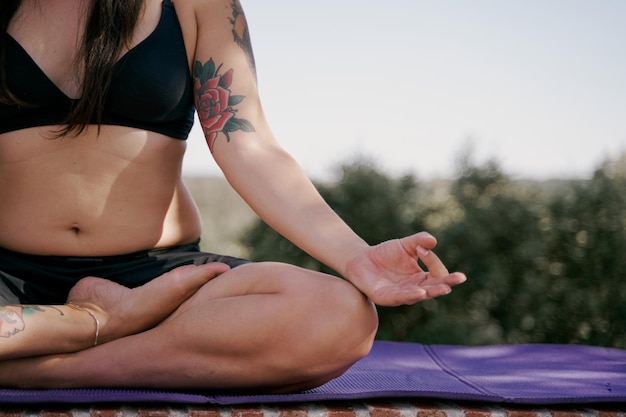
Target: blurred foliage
(546, 261)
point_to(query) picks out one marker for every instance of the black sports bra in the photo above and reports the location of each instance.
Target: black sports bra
(151, 87)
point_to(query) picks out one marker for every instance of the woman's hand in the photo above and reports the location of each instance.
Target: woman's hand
(123, 311)
(389, 273)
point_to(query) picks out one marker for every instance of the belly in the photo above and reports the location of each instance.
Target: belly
(115, 193)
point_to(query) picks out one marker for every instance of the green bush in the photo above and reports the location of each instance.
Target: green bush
(546, 260)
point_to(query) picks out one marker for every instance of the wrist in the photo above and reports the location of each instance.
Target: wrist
(96, 321)
(347, 265)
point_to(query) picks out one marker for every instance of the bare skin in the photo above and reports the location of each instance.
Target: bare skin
(265, 326)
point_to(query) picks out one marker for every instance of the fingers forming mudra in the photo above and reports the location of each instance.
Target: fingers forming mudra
(433, 264)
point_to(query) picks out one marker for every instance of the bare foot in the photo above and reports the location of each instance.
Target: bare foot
(122, 311)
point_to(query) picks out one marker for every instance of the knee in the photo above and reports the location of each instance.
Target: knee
(315, 326)
(341, 333)
(356, 324)
(355, 319)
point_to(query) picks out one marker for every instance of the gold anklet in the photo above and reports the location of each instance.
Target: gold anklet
(93, 316)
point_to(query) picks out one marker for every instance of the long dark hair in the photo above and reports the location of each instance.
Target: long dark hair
(110, 26)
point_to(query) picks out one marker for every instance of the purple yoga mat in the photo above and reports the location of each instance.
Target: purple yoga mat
(521, 374)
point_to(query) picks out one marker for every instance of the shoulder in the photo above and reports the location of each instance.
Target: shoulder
(209, 23)
(201, 12)
(203, 22)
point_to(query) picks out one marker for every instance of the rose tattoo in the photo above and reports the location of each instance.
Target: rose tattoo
(215, 104)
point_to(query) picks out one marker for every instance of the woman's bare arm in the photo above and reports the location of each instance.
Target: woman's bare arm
(33, 330)
(274, 185)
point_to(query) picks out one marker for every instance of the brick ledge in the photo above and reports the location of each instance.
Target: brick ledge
(369, 408)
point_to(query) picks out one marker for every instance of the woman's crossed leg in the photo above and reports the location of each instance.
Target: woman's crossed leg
(261, 326)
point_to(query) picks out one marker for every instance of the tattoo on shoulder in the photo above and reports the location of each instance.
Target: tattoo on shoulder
(241, 34)
(215, 103)
(12, 318)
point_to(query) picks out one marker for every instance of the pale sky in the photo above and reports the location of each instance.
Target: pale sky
(539, 85)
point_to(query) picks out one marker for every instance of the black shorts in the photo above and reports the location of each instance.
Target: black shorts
(33, 279)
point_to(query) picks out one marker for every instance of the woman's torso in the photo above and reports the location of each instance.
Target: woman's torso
(106, 193)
